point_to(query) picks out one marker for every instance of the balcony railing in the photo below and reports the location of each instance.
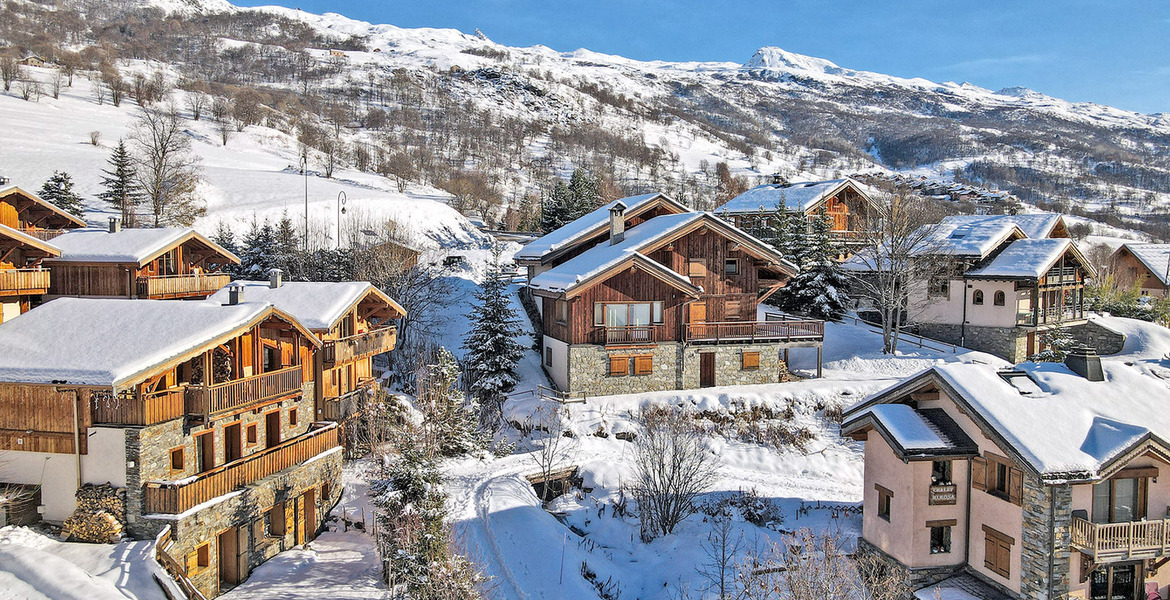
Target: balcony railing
(348, 404)
(182, 286)
(1107, 542)
(359, 346)
(753, 331)
(20, 280)
(132, 409)
(207, 401)
(176, 497)
(42, 234)
(633, 334)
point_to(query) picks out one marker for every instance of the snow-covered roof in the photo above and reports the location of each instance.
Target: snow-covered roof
(128, 246)
(88, 341)
(1036, 225)
(956, 238)
(28, 240)
(1064, 426)
(1156, 258)
(1025, 258)
(14, 189)
(585, 226)
(318, 305)
(795, 197)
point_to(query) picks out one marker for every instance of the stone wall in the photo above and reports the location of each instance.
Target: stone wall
(1038, 547)
(1009, 343)
(1099, 337)
(676, 367)
(729, 364)
(918, 578)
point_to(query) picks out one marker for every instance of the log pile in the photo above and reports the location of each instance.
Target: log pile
(100, 515)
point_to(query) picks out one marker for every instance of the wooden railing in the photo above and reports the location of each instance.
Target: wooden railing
(633, 334)
(43, 234)
(1121, 541)
(359, 346)
(132, 409)
(206, 401)
(343, 406)
(174, 568)
(751, 331)
(175, 498)
(24, 279)
(179, 286)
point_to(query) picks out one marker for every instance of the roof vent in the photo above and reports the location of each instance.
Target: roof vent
(235, 294)
(115, 224)
(275, 278)
(617, 223)
(1084, 362)
(778, 179)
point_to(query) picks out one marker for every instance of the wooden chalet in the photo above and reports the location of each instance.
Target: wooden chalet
(199, 410)
(848, 203)
(22, 278)
(1145, 267)
(29, 214)
(156, 264)
(354, 322)
(669, 303)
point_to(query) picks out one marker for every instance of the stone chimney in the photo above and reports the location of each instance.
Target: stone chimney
(617, 223)
(115, 224)
(1084, 362)
(275, 278)
(778, 179)
(235, 294)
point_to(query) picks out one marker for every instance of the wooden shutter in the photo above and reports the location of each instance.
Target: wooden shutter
(751, 361)
(997, 552)
(1015, 486)
(732, 309)
(619, 365)
(643, 364)
(696, 268)
(698, 312)
(979, 473)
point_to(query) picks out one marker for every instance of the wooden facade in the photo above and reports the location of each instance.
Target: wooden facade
(29, 214)
(851, 213)
(345, 362)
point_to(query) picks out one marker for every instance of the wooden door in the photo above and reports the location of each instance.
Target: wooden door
(242, 545)
(310, 499)
(233, 442)
(706, 369)
(229, 566)
(205, 451)
(272, 429)
(300, 520)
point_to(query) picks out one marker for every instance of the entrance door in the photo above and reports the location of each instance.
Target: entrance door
(706, 369)
(310, 499)
(1115, 583)
(229, 566)
(205, 451)
(233, 443)
(272, 429)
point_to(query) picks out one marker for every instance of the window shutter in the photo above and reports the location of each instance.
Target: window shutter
(751, 361)
(698, 312)
(643, 364)
(990, 552)
(1016, 486)
(619, 365)
(1003, 559)
(979, 473)
(696, 268)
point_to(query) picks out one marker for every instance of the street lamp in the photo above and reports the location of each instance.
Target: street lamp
(305, 172)
(340, 211)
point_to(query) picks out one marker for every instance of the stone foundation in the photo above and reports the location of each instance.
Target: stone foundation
(1009, 343)
(1039, 502)
(1100, 338)
(918, 578)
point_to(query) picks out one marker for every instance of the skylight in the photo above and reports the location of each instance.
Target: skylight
(1022, 382)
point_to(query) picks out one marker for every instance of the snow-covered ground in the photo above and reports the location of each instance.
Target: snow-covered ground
(37, 567)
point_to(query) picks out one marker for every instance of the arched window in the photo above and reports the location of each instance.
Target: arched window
(977, 297)
(998, 299)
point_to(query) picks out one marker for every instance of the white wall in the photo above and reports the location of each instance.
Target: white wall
(9, 309)
(106, 458)
(559, 370)
(55, 473)
(949, 309)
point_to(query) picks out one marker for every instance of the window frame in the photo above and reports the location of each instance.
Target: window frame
(292, 417)
(947, 472)
(977, 298)
(548, 356)
(734, 271)
(656, 308)
(269, 530)
(885, 503)
(940, 531)
(203, 555)
(999, 298)
(252, 434)
(561, 308)
(181, 453)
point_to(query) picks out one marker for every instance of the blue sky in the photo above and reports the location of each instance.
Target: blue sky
(1113, 52)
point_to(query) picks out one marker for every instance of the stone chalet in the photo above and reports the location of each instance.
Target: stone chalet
(643, 294)
(1042, 481)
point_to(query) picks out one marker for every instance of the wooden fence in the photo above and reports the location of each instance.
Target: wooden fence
(751, 331)
(206, 401)
(1121, 541)
(905, 336)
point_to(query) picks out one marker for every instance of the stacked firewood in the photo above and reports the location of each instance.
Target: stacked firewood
(100, 514)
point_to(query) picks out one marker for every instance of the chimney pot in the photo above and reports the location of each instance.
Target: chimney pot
(275, 278)
(617, 223)
(235, 294)
(115, 224)
(1084, 362)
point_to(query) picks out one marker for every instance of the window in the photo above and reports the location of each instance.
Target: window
(938, 286)
(885, 502)
(940, 536)
(731, 266)
(177, 456)
(750, 361)
(292, 417)
(997, 552)
(325, 497)
(999, 299)
(1119, 500)
(627, 315)
(548, 357)
(205, 451)
(643, 364)
(656, 312)
(996, 476)
(252, 435)
(203, 555)
(274, 521)
(599, 315)
(562, 311)
(940, 472)
(977, 297)
(696, 267)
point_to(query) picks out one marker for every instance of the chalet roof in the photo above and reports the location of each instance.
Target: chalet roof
(117, 342)
(588, 225)
(913, 432)
(128, 246)
(28, 240)
(1156, 258)
(961, 239)
(1035, 225)
(317, 305)
(9, 190)
(1029, 258)
(796, 197)
(1061, 425)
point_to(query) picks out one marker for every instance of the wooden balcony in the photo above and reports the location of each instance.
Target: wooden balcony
(346, 405)
(24, 281)
(42, 234)
(630, 335)
(182, 286)
(757, 331)
(132, 409)
(177, 497)
(207, 401)
(1110, 542)
(358, 346)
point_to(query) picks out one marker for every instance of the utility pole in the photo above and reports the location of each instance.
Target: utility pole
(305, 172)
(340, 211)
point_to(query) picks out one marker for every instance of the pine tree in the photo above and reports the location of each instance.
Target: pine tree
(226, 238)
(288, 256)
(58, 191)
(122, 191)
(569, 201)
(1057, 344)
(585, 195)
(492, 349)
(818, 290)
(450, 419)
(258, 252)
(555, 209)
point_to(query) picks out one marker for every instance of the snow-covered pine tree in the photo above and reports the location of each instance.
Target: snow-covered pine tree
(121, 188)
(258, 251)
(1057, 343)
(585, 194)
(58, 191)
(288, 255)
(554, 210)
(492, 349)
(226, 238)
(450, 420)
(818, 290)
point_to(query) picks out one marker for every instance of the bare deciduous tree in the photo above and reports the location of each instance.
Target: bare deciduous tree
(221, 110)
(196, 103)
(167, 170)
(672, 466)
(554, 448)
(722, 548)
(9, 71)
(813, 566)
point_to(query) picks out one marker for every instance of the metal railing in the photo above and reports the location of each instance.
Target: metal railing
(1120, 541)
(24, 279)
(751, 331)
(206, 401)
(174, 497)
(631, 334)
(359, 346)
(179, 286)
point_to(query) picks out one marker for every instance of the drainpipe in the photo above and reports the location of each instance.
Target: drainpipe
(1051, 537)
(967, 520)
(963, 327)
(77, 437)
